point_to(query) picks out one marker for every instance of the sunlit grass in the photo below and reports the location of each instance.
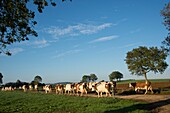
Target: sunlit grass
(20, 102)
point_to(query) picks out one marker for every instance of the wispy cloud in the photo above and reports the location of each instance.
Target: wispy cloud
(15, 51)
(76, 30)
(66, 53)
(102, 39)
(40, 43)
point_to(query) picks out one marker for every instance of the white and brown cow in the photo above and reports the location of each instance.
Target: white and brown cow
(81, 87)
(59, 88)
(103, 87)
(36, 87)
(30, 87)
(90, 86)
(47, 88)
(69, 88)
(142, 86)
(25, 88)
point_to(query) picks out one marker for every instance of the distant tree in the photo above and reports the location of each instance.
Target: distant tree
(115, 75)
(165, 12)
(18, 83)
(142, 60)
(1, 76)
(37, 79)
(85, 78)
(93, 77)
(17, 21)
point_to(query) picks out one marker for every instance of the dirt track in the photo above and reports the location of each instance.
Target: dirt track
(156, 103)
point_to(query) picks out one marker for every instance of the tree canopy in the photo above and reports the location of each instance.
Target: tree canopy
(93, 77)
(165, 12)
(88, 78)
(17, 21)
(85, 78)
(37, 79)
(142, 60)
(115, 75)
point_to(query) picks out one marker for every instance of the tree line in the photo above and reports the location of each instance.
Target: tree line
(37, 81)
(115, 75)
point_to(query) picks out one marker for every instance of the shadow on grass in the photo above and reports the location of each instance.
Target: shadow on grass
(149, 107)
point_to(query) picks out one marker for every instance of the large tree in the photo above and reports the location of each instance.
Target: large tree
(17, 21)
(85, 78)
(142, 60)
(115, 75)
(165, 12)
(93, 77)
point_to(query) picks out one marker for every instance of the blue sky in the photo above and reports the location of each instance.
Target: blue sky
(86, 36)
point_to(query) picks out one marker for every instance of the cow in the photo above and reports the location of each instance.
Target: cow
(47, 88)
(141, 86)
(103, 87)
(36, 87)
(59, 88)
(90, 86)
(81, 87)
(30, 87)
(69, 88)
(25, 88)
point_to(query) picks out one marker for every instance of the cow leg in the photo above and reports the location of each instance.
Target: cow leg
(109, 94)
(146, 91)
(100, 94)
(151, 89)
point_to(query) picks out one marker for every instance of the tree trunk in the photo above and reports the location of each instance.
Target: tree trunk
(146, 79)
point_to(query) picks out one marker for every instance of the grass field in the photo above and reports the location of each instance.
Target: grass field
(20, 102)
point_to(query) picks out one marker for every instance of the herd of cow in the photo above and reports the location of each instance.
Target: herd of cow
(109, 88)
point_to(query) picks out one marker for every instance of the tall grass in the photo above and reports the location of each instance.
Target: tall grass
(20, 102)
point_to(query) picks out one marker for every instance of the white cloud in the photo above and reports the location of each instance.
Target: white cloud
(67, 53)
(102, 39)
(40, 43)
(15, 51)
(76, 30)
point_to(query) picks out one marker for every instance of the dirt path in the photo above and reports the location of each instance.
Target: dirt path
(156, 103)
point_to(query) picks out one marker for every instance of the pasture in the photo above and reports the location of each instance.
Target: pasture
(33, 102)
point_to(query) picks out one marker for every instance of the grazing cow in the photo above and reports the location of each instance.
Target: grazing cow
(47, 88)
(82, 88)
(59, 88)
(69, 88)
(142, 85)
(103, 87)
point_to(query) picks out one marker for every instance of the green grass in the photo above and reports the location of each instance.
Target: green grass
(20, 102)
